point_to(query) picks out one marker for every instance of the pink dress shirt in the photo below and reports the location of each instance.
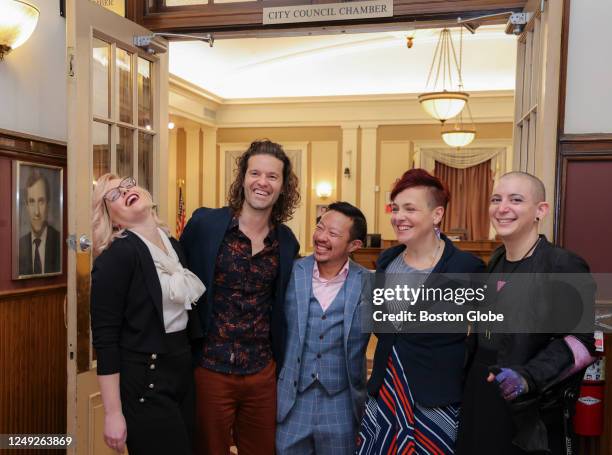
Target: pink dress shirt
(326, 290)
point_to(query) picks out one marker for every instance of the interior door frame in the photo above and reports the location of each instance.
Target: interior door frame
(84, 21)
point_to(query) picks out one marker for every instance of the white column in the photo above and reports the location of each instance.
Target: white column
(368, 190)
(209, 167)
(349, 161)
(172, 185)
(192, 184)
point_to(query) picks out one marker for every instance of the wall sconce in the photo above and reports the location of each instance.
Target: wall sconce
(323, 190)
(17, 23)
(171, 125)
(347, 172)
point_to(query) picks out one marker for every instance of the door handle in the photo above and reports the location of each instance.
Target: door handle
(84, 243)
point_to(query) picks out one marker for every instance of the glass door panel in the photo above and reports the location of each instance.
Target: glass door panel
(100, 133)
(124, 85)
(145, 95)
(101, 52)
(145, 161)
(125, 153)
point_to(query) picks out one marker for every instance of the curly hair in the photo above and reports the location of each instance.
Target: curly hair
(289, 197)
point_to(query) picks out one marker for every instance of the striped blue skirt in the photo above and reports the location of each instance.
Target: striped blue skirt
(394, 424)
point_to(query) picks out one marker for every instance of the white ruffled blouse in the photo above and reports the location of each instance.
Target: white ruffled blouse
(181, 288)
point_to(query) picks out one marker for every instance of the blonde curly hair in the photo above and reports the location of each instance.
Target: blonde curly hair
(104, 232)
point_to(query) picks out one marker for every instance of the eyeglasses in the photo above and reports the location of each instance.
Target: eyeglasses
(115, 193)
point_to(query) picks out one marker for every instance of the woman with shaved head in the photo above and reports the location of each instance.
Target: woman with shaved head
(513, 400)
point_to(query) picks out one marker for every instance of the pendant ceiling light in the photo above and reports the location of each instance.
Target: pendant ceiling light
(443, 101)
(460, 134)
(458, 138)
(18, 20)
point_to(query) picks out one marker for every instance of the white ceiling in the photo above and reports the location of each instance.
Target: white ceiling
(345, 64)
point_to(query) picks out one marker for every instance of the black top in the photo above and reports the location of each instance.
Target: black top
(201, 241)
(533, 421)
(126, 303)
(542, 357)
(502, 270)
(433, 363)
(238, 341)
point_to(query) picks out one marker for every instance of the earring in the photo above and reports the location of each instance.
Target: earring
(436, 231)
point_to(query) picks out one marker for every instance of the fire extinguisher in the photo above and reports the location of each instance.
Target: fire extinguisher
(589, 416)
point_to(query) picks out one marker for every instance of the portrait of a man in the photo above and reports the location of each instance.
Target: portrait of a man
(38, 207)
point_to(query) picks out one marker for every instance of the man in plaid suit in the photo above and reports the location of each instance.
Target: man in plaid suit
(321, 386)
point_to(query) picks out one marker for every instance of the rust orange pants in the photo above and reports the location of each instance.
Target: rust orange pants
(238, 406)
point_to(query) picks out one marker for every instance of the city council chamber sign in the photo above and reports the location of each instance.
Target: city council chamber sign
(328, 12)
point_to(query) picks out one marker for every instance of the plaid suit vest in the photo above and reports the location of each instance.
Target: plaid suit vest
(323, 358)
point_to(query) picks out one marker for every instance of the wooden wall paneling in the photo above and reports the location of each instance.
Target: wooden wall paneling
(33, 332)
(576, 149)
(33, 359)
(584, 225)
(482, 248)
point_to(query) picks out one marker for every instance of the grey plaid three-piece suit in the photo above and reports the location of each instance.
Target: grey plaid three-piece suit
(321, 386)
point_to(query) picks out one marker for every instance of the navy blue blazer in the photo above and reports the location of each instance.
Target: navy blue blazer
(201, 241)
(433, 363)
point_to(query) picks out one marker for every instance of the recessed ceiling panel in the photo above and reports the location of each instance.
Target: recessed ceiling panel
(331, 65)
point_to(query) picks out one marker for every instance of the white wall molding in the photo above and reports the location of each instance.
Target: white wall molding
(401, 109)
(497, 108)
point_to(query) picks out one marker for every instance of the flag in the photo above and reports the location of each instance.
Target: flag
(180, 216)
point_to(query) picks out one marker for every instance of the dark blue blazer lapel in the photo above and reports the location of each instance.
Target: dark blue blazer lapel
(286, 247)
(215, 236)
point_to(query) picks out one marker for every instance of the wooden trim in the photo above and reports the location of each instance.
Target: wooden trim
(565, 28)
(4, 295)
(580, 148)
(585, 147)
(583, 138)
(573, 147)
(30, 137)
(248, 15)
(134, 10)
(83, 287)
(19, 146)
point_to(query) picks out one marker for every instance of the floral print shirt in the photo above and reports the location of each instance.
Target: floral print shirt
(238, 341)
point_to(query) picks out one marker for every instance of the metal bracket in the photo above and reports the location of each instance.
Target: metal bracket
(70, 63)
(516, 21)
(154, 45)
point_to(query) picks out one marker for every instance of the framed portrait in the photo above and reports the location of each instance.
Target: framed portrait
(38, 202)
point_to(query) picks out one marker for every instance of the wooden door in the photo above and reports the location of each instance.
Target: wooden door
(117, 122)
